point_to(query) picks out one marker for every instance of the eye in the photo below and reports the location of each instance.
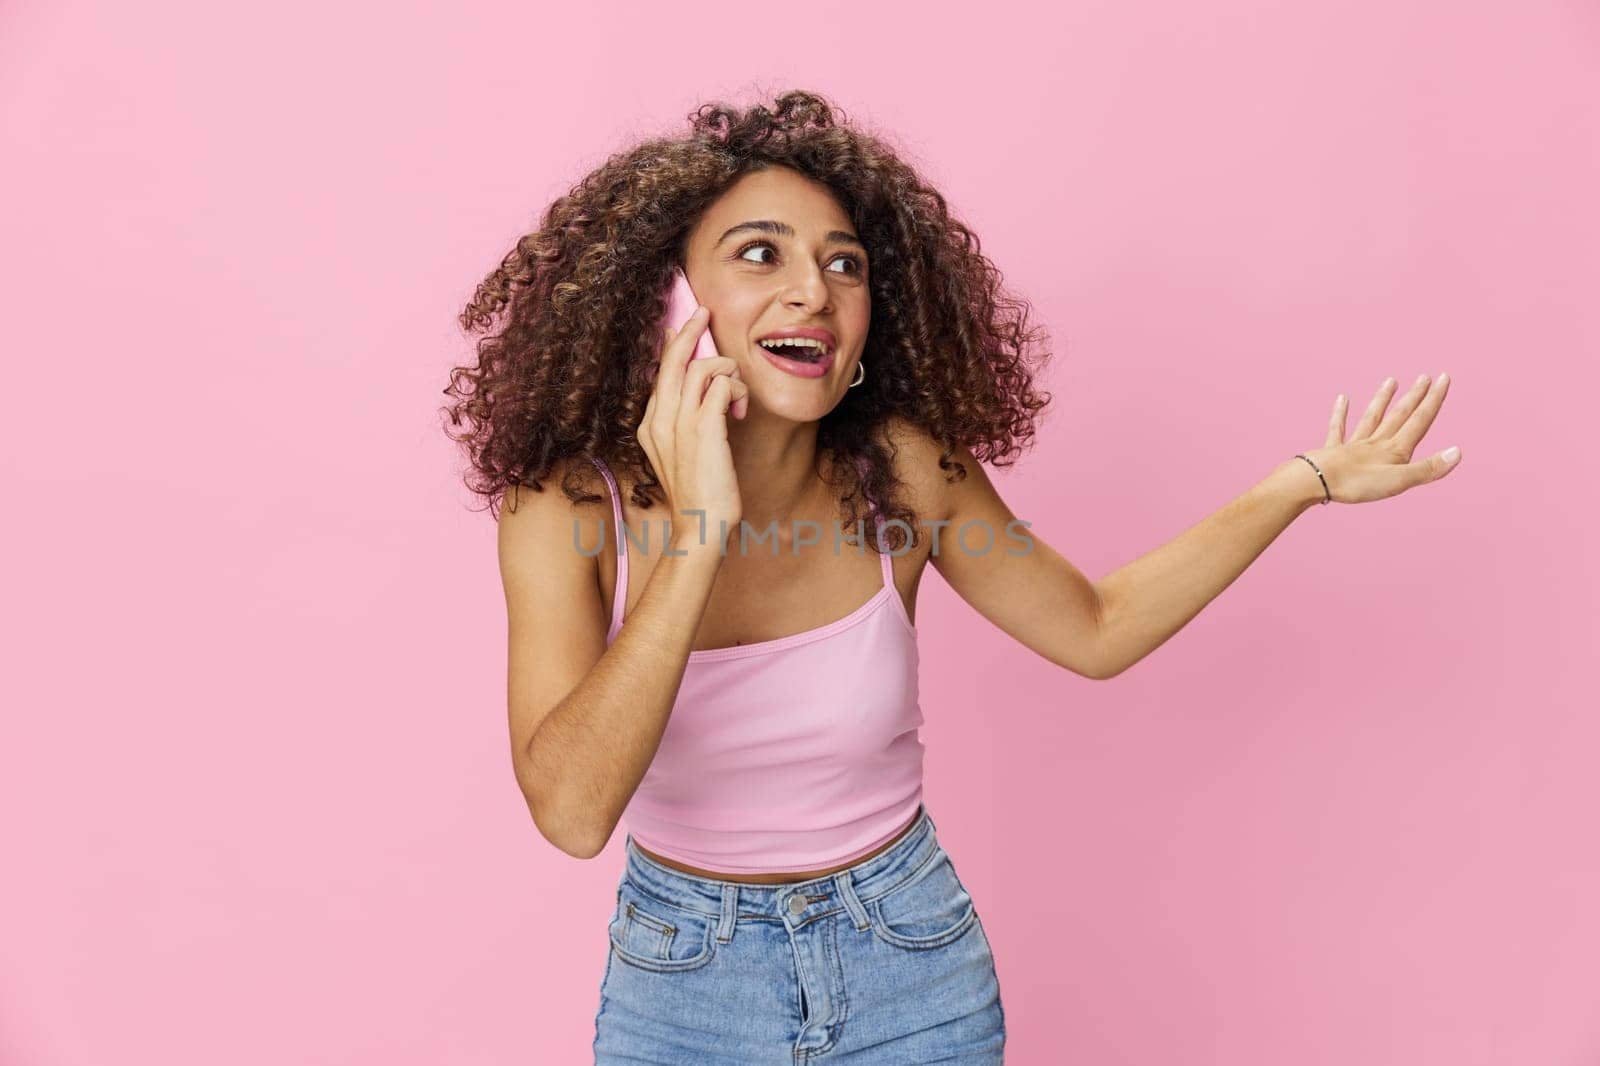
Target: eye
(752, 247)
(854, 260)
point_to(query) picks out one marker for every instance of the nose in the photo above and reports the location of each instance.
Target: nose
(807, 291)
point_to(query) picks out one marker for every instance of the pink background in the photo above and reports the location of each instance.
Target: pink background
(255, 790)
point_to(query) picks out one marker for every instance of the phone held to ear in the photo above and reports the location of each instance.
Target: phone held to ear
(681, 303)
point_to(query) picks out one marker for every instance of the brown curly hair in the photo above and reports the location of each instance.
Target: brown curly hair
(571, 369)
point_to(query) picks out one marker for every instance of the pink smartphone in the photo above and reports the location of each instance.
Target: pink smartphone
(680, 305)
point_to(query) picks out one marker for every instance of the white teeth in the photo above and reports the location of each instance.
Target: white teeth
(794, 342)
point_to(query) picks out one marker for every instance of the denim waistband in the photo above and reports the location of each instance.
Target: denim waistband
(865, 881)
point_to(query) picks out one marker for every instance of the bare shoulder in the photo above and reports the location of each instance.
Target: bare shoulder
(916, 466)
(580, 470)
(540, 526)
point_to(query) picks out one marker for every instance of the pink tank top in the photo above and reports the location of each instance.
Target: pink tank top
(788, 754)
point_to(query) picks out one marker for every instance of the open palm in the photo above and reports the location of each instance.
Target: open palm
(1375, 463)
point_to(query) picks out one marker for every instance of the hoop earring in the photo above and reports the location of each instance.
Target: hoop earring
(861, 374)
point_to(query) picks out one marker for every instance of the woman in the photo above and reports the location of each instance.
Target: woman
(737, 680)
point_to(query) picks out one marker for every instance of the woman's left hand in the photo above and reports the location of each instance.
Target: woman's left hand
(1376, 462)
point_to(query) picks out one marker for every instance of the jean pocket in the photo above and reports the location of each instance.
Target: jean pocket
(654, 935)
(929, 909)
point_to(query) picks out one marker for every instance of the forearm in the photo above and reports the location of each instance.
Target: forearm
(591, 751)
(1151, 598)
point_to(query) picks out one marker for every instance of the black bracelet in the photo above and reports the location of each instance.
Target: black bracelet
(1328, 495)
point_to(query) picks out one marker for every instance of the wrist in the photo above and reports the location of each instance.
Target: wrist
(1295, 480)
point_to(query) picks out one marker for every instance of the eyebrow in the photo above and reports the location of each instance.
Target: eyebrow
(783, 229)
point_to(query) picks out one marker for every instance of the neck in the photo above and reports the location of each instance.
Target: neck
(776, 464)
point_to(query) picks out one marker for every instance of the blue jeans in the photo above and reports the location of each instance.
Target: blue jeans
(882, 962)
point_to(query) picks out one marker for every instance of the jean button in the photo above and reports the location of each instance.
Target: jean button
(797, 904)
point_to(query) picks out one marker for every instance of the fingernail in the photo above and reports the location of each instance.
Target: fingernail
(1450, 454)
(699, 312)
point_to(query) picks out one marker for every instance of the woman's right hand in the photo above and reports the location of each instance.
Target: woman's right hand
(684, 433)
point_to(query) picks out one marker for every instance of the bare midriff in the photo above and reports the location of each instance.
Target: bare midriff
(787, 877)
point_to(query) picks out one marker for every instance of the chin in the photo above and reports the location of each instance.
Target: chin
(793, 407)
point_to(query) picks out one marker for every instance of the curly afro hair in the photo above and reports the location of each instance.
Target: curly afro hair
(569, 370)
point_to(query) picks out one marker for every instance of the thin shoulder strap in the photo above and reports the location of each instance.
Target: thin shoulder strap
(620, 597)
(884, 558)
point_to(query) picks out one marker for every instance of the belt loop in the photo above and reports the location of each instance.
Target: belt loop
(730, 907)
(847, 892)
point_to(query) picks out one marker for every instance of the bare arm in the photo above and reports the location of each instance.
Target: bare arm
(1153, 597)
(1148, 600)
(1099, 629)
(586, 719)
